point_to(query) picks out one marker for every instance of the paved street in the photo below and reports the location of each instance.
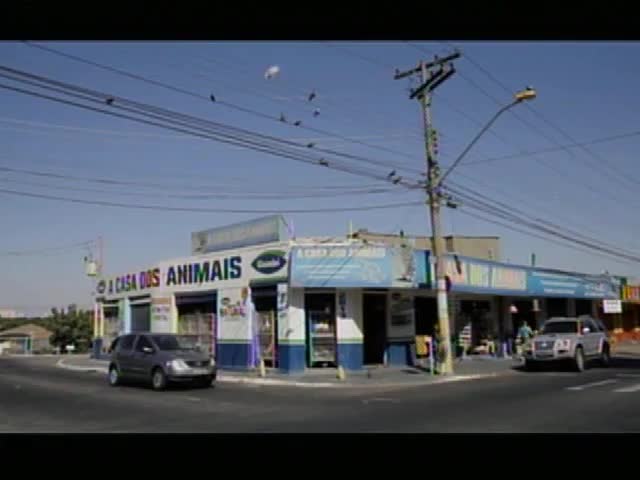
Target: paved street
(37, 396)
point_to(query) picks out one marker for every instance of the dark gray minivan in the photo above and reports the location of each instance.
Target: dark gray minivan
(159, 359)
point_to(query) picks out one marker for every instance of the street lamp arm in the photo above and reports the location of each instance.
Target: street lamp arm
(476, 138)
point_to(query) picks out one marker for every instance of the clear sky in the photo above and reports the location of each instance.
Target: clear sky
(586, 89)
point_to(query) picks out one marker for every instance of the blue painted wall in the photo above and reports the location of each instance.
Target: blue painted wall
(400, 354)
(291, 358)
(350, 355)
(233, 355)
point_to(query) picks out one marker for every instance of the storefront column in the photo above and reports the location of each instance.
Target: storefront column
(350, 329)
(124, 311)
(291, 329)
(235, 340)
(571, 307)
(401, 329)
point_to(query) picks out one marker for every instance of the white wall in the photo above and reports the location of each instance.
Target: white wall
(293, 329)
(350, 321)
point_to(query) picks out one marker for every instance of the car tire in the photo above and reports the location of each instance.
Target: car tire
(605, 356)
(579, 360)
(530, 366)
(158, 379)
(114, 376)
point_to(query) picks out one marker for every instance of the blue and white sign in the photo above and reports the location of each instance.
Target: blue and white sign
(485, 277)
(357, 266)
(559, 284)
(254, 232)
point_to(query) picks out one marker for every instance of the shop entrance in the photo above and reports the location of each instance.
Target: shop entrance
(557, 307)
(426, 309)
(320, 312)
(524, 313)
(197, 318)
(111, 322)
(583, 307)
(265, 301)
(141, 316)
(374, 313)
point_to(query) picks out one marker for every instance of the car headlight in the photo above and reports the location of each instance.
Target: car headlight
(563, 344)
(178, 365)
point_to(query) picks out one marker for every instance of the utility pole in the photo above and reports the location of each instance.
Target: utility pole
(430, 80)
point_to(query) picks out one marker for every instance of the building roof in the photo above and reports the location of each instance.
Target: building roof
(377, 234)
(32, 330)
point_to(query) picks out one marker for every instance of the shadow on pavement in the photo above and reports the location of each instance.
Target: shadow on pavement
(621, 361)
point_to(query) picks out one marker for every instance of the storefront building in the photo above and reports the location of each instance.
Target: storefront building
(494, 298)
(249, 294)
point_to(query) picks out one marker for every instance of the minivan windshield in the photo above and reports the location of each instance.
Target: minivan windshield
(560, 327)
(174, 342)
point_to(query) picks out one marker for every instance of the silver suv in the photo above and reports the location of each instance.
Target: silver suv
(574, 339)
(159, 359)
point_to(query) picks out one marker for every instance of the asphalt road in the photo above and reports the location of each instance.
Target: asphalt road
(37, 396)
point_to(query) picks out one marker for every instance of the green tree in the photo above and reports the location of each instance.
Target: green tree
(72, 327)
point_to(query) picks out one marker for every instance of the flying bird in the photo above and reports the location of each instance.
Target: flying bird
(109, 100)
(283, 118)
(311, 145)
(272, 72)
(297, 123)
(397, 180)
(213, 98)
(316, 112)
(323, 162)
(311, 96)
(391, 174)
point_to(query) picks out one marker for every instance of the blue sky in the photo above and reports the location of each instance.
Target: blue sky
(587, 89)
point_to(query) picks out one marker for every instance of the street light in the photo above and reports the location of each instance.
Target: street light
(436, 223)
(522, 96)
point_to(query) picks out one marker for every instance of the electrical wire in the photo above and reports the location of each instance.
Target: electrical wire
(20, 253)
(217, 137)
(204, 97)
(206, 210)
(204, 197)
(596, 166)
(176, 117)
(485, 207)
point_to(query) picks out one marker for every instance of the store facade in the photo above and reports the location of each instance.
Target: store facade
(226, 300)
(353, 303)
(493, 299)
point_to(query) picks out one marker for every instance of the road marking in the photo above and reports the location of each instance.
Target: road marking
(632, 388)
(389, 400)
(592, 384)
(628, 375)
(193, 399)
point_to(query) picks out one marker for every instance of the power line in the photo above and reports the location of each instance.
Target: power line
(485, 207)
(19, 253)
(221, 137)
(204, 97)
(596, 166)
(206, 210)
(509, 209)
(550, 240)
(230, 132)
(210, 196)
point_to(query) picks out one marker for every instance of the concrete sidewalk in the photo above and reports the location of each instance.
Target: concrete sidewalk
(471, 369)
(627, 348)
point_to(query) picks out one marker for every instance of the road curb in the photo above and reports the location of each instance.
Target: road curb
(288, 383)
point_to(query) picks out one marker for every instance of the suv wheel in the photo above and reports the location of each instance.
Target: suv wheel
(578, 359)
(605, 356)
(158, 379)
(114, 376)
